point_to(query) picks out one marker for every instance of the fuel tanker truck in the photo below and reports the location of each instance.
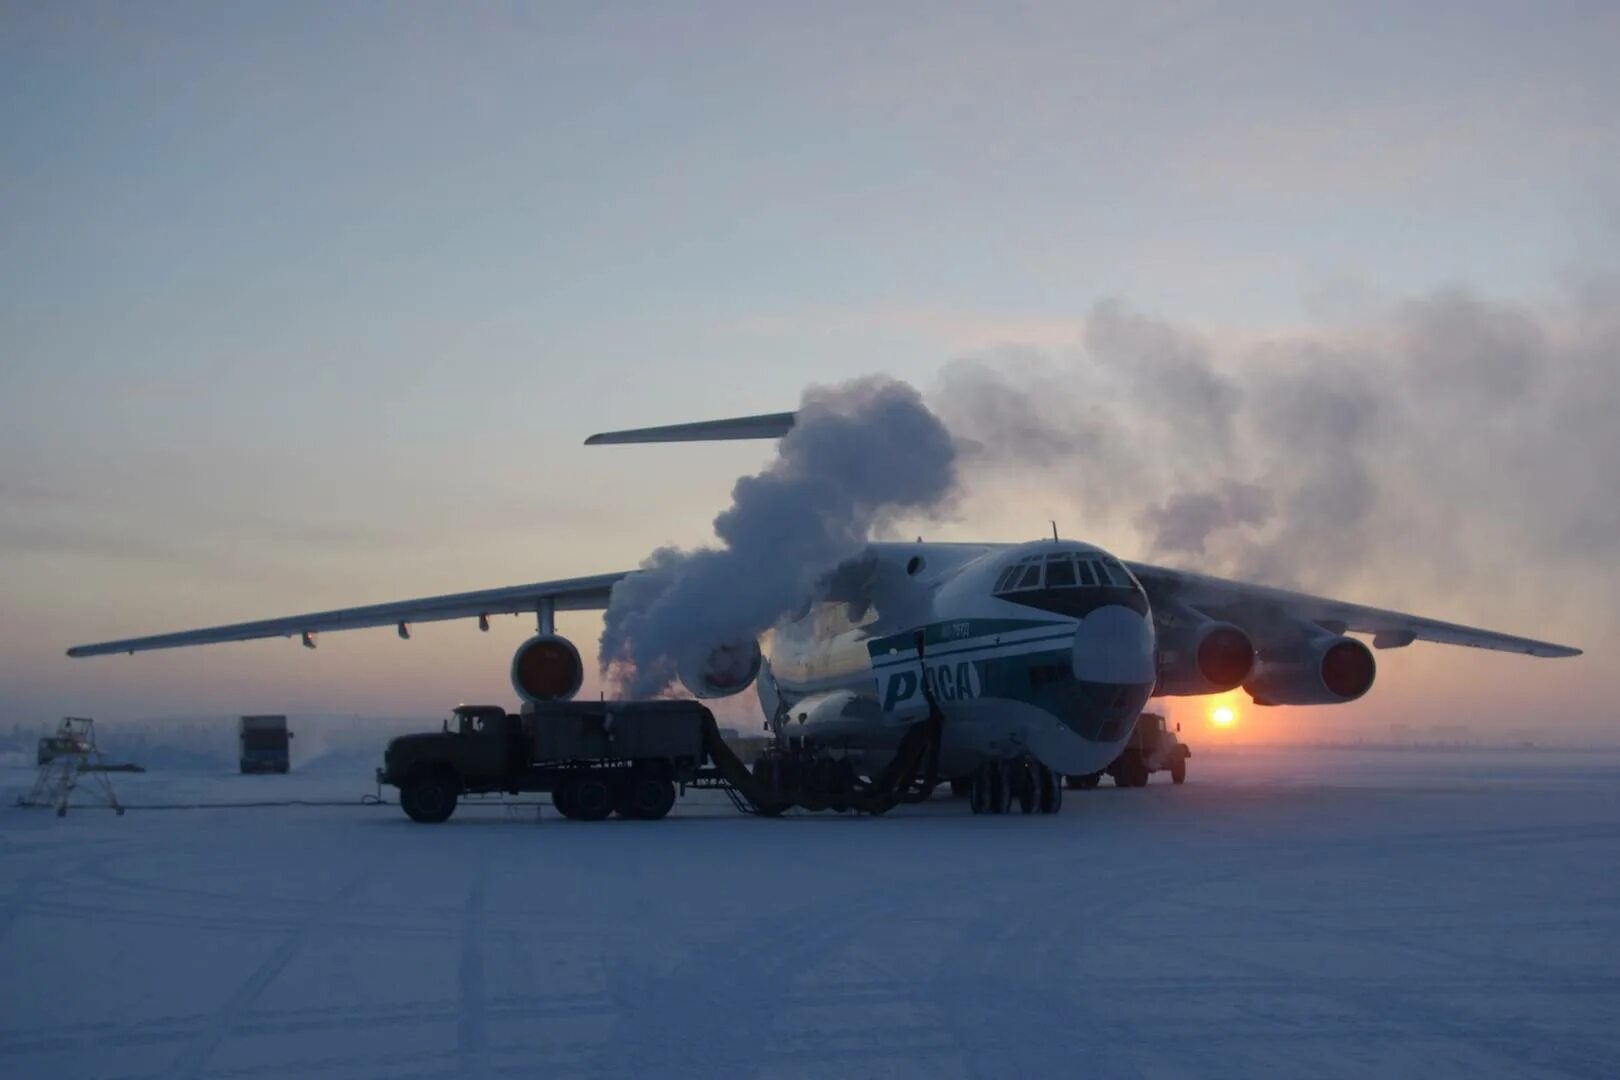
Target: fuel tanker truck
(601, 758)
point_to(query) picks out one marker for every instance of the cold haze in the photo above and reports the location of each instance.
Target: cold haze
(300, 310)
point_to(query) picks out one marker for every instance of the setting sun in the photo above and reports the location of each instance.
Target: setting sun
(1223, 716)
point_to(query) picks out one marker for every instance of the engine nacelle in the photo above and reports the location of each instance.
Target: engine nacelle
(547, 668)
(1202, 656)
(1324, 670)
(723, 671)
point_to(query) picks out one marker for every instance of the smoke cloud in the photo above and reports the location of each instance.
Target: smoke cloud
(1449, 436)
(861, 455)
(1184, 521)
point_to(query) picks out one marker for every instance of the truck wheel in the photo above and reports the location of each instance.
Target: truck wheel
(560, 794)
(646, 798)
(1178, 771)
(1129, 771)
(429, 799)
(591, 798)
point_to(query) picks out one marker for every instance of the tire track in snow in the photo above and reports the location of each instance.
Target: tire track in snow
(471, 1034)
(194, 1058)
(26, 899)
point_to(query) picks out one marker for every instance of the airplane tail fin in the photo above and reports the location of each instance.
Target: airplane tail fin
(763, 426)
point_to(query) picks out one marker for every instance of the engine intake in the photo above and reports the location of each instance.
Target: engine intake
(723, 671)
(1326, 670)
(547, 668)
(1201, 656)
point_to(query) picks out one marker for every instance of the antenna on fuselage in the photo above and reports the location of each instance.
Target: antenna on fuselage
(1054, 532)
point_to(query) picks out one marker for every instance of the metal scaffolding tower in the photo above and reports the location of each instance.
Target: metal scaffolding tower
(73, 764)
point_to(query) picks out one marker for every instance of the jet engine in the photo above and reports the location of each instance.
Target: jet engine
(1202, 656)
(724, 671)
(546, 668)
(1323, 670)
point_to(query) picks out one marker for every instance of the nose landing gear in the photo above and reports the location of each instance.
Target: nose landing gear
(996, 785)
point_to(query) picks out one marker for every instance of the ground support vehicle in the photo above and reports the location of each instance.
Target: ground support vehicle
(262, 743)
(599, 758)
(52, 747)
(1153, 747)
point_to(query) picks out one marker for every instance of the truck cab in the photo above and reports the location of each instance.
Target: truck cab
(473, 742)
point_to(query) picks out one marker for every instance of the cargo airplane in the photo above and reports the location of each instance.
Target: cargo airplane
(1037, 657)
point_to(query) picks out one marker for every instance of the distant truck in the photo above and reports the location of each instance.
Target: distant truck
(262, 743)
(1153, 747)
(595, 758)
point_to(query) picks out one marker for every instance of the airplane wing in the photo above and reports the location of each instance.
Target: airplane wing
(763, 426)
(570, 594)
(1252, 606)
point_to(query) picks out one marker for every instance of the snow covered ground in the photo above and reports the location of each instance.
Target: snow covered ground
(1320, 912)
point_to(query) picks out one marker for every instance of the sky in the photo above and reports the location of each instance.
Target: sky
(306, 306)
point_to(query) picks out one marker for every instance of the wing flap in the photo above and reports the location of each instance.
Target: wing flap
(570, 594)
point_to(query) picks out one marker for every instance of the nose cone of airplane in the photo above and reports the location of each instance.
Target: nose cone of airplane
(1114, 644)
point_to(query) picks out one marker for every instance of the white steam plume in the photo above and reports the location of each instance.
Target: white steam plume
(860, 455)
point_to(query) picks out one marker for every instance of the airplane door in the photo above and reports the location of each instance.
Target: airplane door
(901, 687)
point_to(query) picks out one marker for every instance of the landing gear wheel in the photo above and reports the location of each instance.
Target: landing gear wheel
(1088, 781)
(779, 775)
(1051, 791)
(646, 797)
(770, 775)
(590, 798)
(1178, 771)
(1025, 783)
(829, 778)
(979, 790)
(428, 799)
(999, 788)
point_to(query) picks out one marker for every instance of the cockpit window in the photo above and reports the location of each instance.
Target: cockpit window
(1063, 570)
